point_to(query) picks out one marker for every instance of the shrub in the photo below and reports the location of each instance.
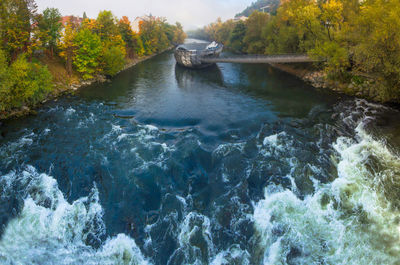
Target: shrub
(23, 83)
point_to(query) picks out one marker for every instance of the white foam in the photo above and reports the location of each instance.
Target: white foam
(275, 144)
(348, 221)
(234, 255)
(70, 111)
(151, 127)
(116, 128)
(49, 230)
(271, 140)
(226, 149)
(194, 227)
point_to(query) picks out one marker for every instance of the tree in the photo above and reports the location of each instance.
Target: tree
(179, 35)
(15, 27)
(138, 44)
(153, 35)
(127, 34)
(237, 36)
(254, 26)
(114, 60)
(280, 37)
(377, 43)
(22, 83)
(50, 26)
(67, 46)
(223, 31)
(91, 24)
(107, 25)
(332, 17)
(113, 55)
(212, 29)
(5, 83)
(336, 58)
(303, 16)
(88, 52)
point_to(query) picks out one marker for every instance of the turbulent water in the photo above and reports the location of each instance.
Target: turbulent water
(236, 164)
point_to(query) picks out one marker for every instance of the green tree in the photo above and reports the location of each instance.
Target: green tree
(336, 58)
(138, 44)
(23, 83)
(237, 36)
(50, 26)
(88, 52)
(113, 55)
(107, 25)
(5, 83)
(253, 40)
(114, 60)
(280, 37)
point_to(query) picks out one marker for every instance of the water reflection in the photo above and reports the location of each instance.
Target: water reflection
(188, 78)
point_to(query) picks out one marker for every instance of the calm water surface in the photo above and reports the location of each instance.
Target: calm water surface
(235, 164)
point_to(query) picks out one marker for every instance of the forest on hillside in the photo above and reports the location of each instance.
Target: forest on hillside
(257, 5)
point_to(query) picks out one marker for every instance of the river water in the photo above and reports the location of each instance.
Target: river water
(235, 164)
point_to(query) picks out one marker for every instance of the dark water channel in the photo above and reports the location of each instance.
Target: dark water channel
(235, 164)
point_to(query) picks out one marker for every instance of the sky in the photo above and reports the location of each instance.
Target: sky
(191, 13)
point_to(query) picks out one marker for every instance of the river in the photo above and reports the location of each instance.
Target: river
(234, 164)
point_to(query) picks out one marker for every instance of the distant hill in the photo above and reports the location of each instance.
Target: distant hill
(273, 6)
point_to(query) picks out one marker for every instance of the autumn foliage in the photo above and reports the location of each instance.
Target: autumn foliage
(88, 47)
(357, 40)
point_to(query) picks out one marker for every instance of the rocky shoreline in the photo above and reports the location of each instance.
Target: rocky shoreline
(363, 87)
(62, 89)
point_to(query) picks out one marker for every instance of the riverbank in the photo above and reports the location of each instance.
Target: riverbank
(188, 166)
(66, 84)
(361, 85)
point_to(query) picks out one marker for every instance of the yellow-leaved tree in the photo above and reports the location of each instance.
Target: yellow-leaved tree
(67, 46)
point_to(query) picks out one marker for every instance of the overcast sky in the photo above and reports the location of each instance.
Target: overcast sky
(191, 13)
